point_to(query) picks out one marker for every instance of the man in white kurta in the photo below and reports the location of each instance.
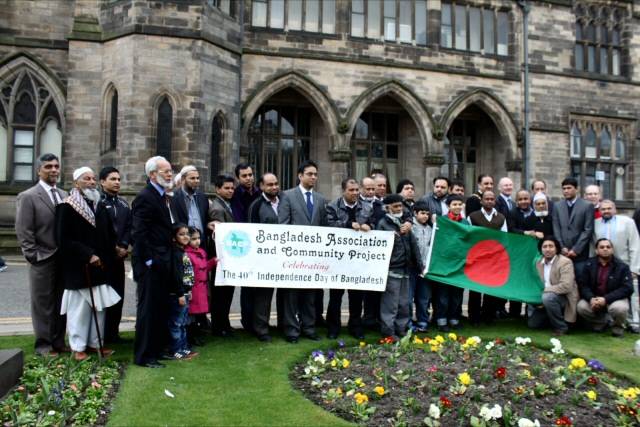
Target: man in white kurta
(84, 241)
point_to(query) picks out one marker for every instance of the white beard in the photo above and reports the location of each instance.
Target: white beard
(541, 213)
(167, 185)
(91, 194)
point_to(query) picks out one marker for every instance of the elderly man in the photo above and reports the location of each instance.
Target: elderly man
(560, 294)
(35, 229)
(84, 241)
(539, 224)
(592, 195)
(367, 191)
(119, 214)
(264, 210)
(540, 186)
(605, 286)
(152, 234)
(623, 234)
(504, 201)
(437, 200)
(347, 211)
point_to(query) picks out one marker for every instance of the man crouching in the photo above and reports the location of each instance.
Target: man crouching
(394, 304)
(84, 242)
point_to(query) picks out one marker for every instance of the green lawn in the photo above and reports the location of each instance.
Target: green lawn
(244, 382)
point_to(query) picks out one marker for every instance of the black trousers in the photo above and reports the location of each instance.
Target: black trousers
(371, 317)
(113, 314)
(298, 312)
(482, 306)
(246, 308)
(356, 302)
(261, 301)
(319, 306)
(151, 313)
(221, 297)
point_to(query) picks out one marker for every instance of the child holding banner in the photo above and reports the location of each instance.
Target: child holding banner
(394, 303)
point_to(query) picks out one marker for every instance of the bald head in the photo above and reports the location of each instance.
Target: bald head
(505, 186)
(592, 194)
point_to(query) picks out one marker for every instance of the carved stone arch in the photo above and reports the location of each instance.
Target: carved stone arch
(225, 148)
(494, 108)
(107, 93)
(406, 98)
(307, 88)
(17, 64)
(156, 101)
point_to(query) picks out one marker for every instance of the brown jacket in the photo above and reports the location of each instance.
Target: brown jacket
(563, 282)
(35, 223)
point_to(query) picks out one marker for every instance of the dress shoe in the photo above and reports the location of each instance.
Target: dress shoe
(105, 352)
(558, 333)
(617, 331)
(359, 335)
(292, 339)
(64, 349)
(80, 356)
(313, 337)
(444, 328)
(227, 333)
(264, 338)
(153, 364)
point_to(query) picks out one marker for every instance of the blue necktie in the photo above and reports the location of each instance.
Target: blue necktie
(309, 204)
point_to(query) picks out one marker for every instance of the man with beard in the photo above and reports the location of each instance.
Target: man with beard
(35, 229)
(221, 296)
(152, 234)
(437, 200)
(347, 212)
(485, 306)
(119, 214)
(540, 186)
(407, 190)
(84, 240)
(485, 183)
(539, 224)
(243, 195)
(191, 207)
(264, 210)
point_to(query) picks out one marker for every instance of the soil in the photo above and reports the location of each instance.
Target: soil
(434, 375)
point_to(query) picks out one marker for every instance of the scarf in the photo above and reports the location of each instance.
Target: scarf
(80, 205)
(453, 217)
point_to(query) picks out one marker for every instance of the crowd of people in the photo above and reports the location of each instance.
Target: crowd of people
(76, 245)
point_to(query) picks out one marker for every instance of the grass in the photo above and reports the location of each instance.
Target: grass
(244, 382)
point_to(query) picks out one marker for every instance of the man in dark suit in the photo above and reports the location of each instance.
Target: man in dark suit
(221, 296)
(302, 205)
(151, 232)
(264, 210)
(485, 183)
(504, 201)
(573, 224)
(119, 216)
(35, 229)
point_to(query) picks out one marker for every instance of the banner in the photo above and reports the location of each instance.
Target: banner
(485, 260)
(303, 257)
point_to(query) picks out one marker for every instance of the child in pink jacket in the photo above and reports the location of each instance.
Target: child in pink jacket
(199, 304)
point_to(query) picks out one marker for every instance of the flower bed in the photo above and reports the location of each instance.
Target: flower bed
(450, 380)
(61, 391)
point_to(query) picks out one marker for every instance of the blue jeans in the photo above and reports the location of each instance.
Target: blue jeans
(448, 304)
(178, 320)
(420, 293)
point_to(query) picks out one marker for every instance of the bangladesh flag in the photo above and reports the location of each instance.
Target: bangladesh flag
(485, 260)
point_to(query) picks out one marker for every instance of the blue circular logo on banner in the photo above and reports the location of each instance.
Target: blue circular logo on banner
(237, 243)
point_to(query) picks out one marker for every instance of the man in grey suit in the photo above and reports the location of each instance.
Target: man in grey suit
(35, 229)
(301, 205)
(573, 224)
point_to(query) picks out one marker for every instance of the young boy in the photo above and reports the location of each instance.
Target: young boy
(449, 301)
(420, 288)
(394, 303)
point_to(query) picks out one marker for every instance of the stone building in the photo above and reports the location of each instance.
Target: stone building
(416, 88)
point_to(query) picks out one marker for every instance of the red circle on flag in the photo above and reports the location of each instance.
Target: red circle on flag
(488, 263)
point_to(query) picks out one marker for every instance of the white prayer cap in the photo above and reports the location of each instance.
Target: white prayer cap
(189, 168)
(538, 196)
(177, 179)
(81, 171)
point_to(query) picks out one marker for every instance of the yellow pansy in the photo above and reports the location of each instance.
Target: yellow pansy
(359, 382)
(464, 378)
(345, 363)
(577, 363)
(440, 339)
(591, 395)
(361, 398)
(334, 363)
(379, 390)
(452, 336)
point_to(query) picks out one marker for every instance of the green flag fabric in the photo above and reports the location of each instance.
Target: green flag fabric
(484, 260)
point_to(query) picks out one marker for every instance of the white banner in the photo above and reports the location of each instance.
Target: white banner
(303, 257)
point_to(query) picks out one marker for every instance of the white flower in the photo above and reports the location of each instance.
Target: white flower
(485, 413)
(491, 414)
(319, 359)
(496, 412)
(310, 370)
(525, 422)
(490, 345)
(434, 412)
(476, 339)
(557, 346)
(523, 340)
(51, 413)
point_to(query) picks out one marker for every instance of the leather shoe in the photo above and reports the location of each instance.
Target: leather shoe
(292, 339)
(105, 352)
(153, 364)
(64, 349)
(313, 337)
(79, 356)
(264, 338)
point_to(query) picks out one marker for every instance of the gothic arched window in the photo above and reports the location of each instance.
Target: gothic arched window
(164, 129)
